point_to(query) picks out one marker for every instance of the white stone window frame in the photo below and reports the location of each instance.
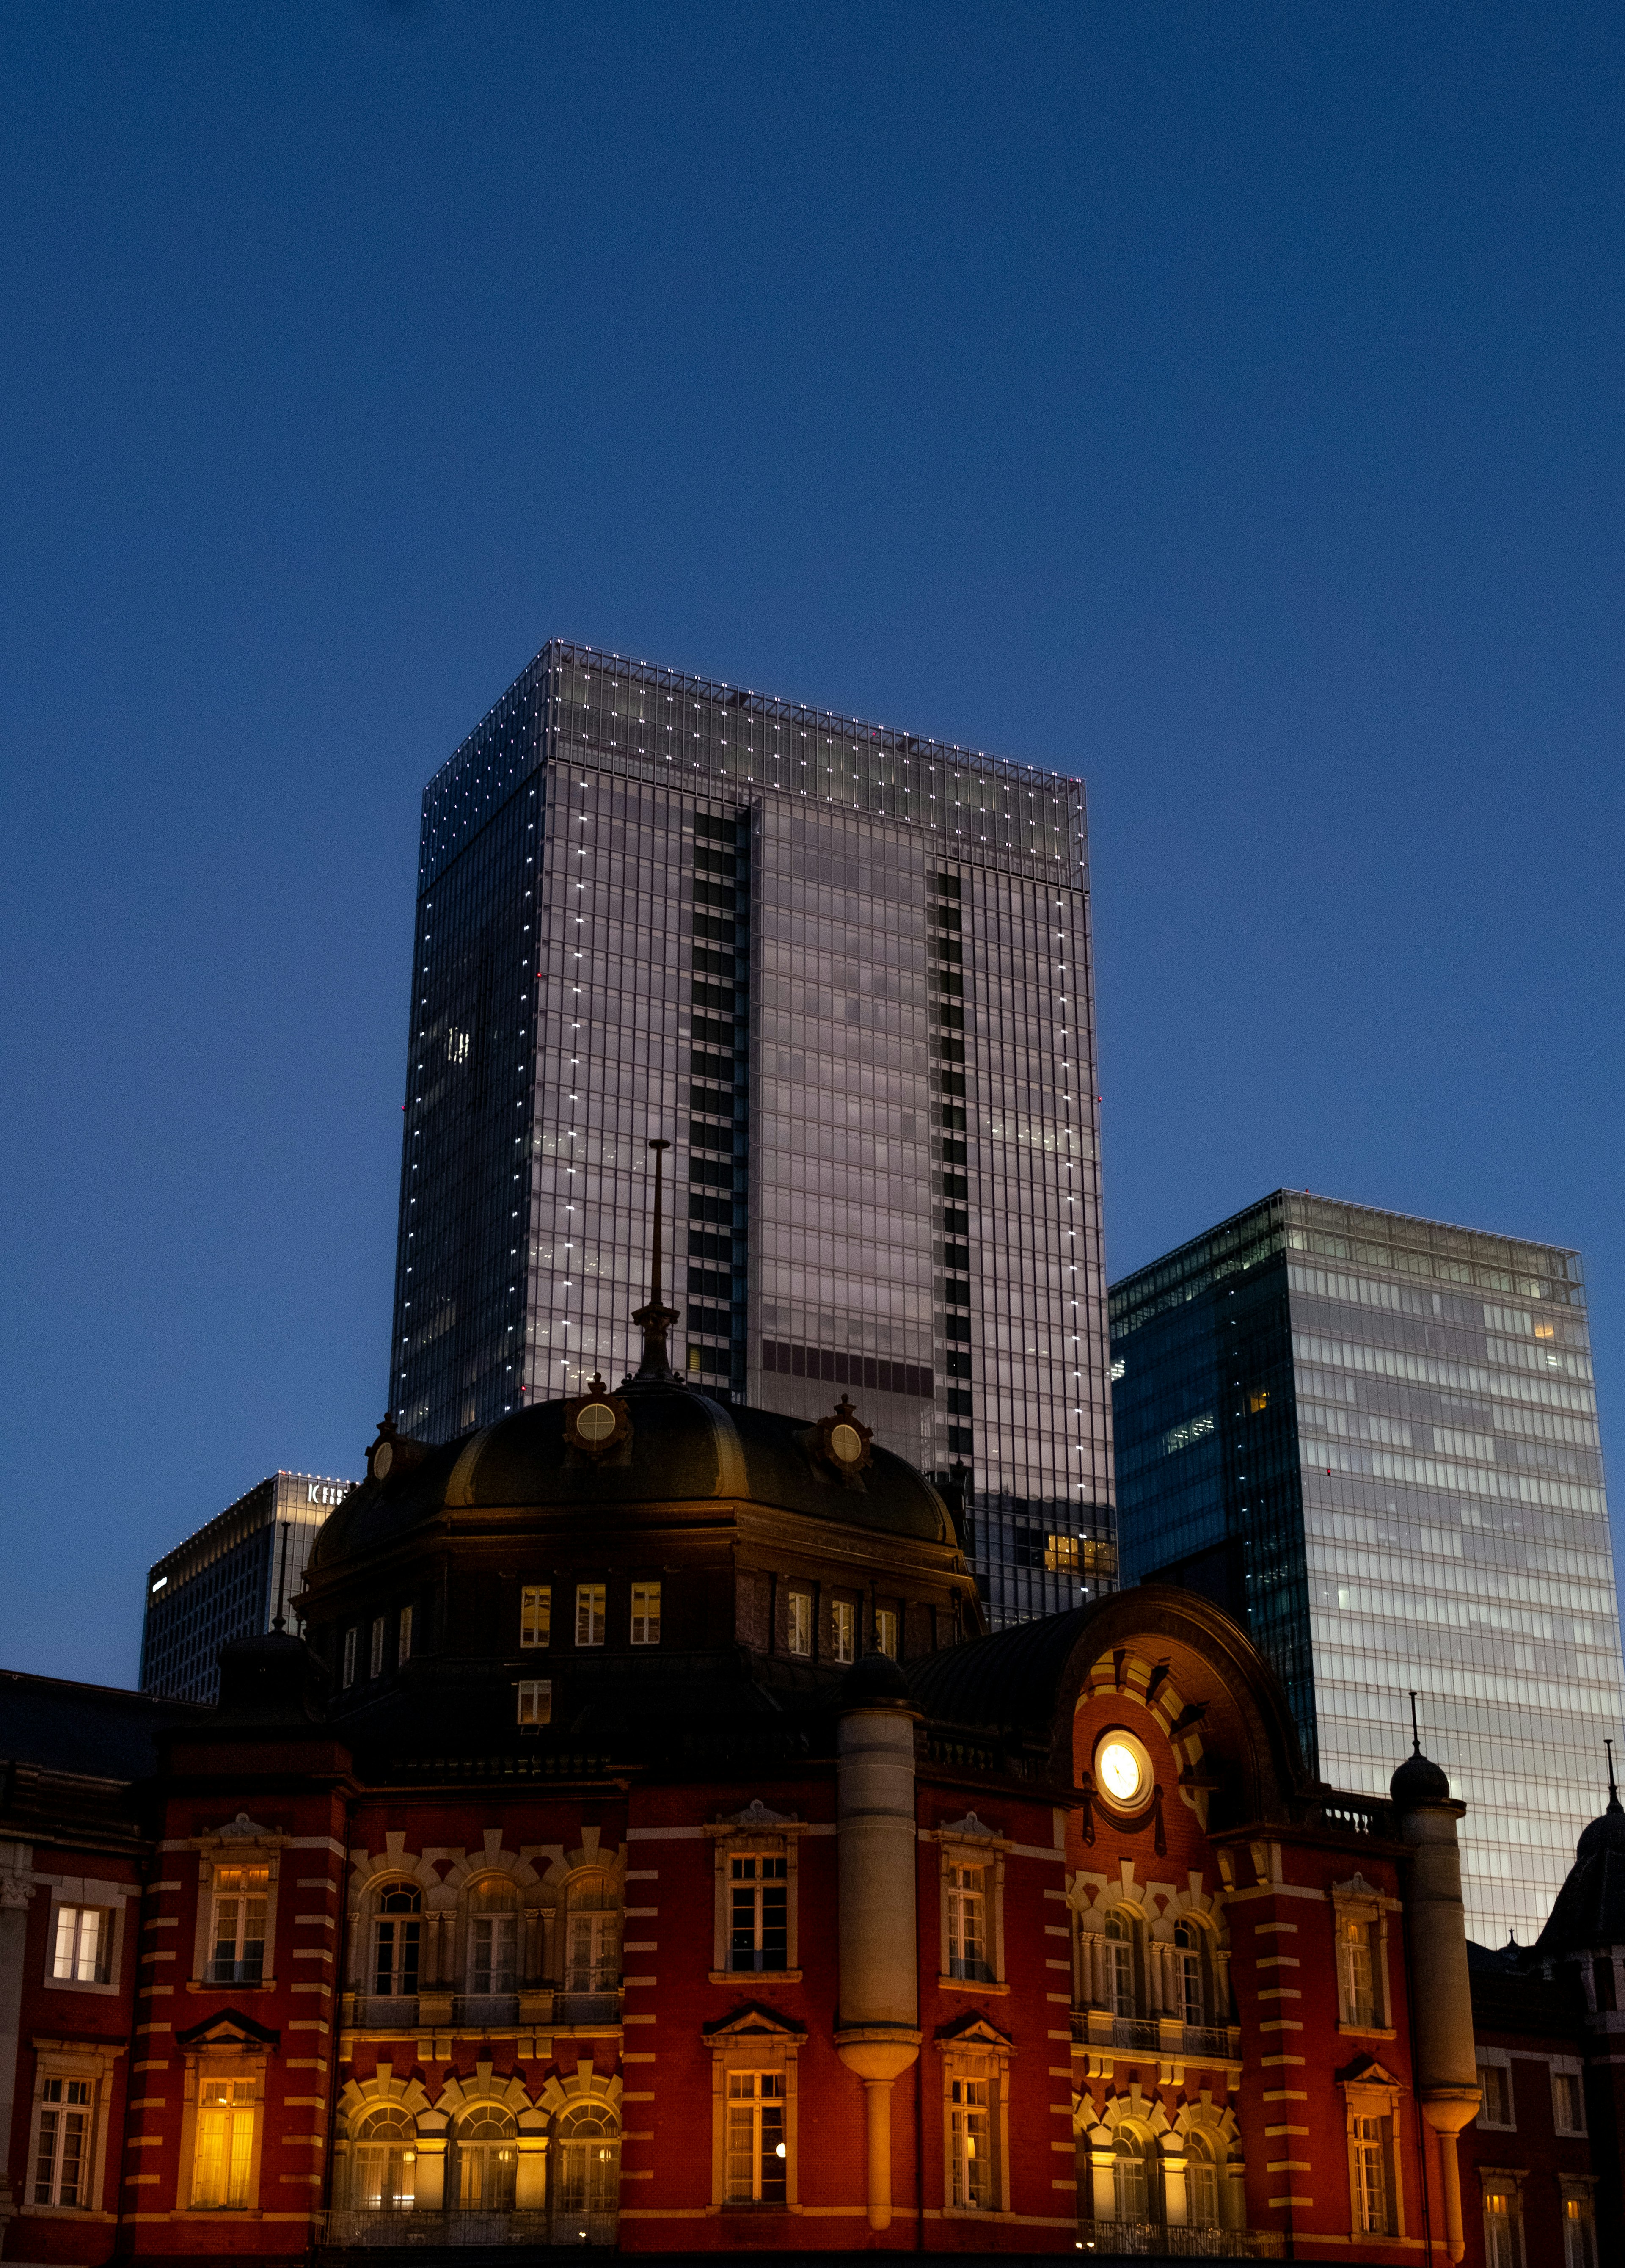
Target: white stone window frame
(111, 1898)
(1500, 2060)
(376, 1647)
(1358, 1900)
(68, 2059)
(242, 1842)
(219, 2060)
(1568, 2067)
(806, 1595)
(970, 1842)
(1375, 2095)
(755, 2042)
(1579, 2189)
(532, 1623)
(1510, 2180)
(755, 1832)
(983, 2054)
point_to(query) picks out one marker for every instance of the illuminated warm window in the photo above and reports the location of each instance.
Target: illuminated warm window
(799, 1623)
(591, 1950)
(223, 2151)
(1130, 2190)
(384, 2177)
(1259, 1399)
(397, 1931)
(1502, 2248)
(587, 2169)
(535, 1701)
(589, 1614)
(80, 1954)
(1356, 1972)
(536, 1614)
(1062, 1556)
(487, 2161)
(885, 1632)
(1579, 2244)
(970, 2140)
(645, 1614)
(62, 2155)
(845, 1629)
(1370, 2186)
(1201, 2183)
(238, 1940)
(757, 2151)
(758, 1913)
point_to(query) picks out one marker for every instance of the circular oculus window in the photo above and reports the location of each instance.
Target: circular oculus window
(595, 1422)
(846, 1443)
(383, 1457)
(1122, 1770)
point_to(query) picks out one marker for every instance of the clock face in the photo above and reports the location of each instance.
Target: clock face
(848, 1444)
(1122, 1770)
(383, 1457)
(595, 1422)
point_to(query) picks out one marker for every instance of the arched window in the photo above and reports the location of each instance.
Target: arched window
(1355, 1970)
(591, 1938)
(587, 2175)
(384, 2176)
(1202, 2183)
(1119, 1952)
(488, 2160)
(1188, 1998)
(397, 1931)
(1131, 2189)
(493, 1935)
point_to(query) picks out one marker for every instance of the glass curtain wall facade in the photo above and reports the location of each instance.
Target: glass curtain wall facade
(1374, 1439)
(229, 1580)
(848, 973)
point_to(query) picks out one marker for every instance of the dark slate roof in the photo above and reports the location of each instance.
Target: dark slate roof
(103, 1732)
(1006, 1681)
(683, 1446)
(1513, 1990)
(1590, 1908)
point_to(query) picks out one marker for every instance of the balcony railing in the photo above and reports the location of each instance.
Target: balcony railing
(398, 2231)
(1157, 2241)
(1158, 2036)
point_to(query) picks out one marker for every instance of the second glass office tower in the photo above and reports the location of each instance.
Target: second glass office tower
(848, 973)
(1374, 1439)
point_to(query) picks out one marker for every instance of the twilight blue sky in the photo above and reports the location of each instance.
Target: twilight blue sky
(1221, 401)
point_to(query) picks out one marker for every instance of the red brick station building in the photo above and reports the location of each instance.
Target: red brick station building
(647, 1846)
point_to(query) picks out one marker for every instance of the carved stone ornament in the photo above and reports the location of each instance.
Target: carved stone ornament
(841, 1441)
(970, 1829)
(756, 1814)
(244, 1830)
(598, 1422)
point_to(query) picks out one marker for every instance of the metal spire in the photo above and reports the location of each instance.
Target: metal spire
(654, 1319)
(1415, 1737)
(1614, 1794)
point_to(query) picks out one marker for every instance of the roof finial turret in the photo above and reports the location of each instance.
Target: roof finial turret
(654, 1319)
(1614, 1794)
(1415, 1737)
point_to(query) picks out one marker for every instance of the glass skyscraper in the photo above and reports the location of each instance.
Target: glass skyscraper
(848, 972)
(229, 1580)
(1374, 1439)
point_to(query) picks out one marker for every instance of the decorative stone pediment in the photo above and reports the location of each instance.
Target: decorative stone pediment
(225, 2030)
(968, 1830)
(756, 1817)
(975, 2031)
(1366, 2071)
(753, 2020)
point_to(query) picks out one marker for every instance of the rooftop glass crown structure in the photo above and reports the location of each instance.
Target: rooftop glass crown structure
(848, 970)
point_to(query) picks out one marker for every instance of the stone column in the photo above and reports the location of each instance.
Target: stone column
(1102, 2163)
(17, 1888)
(878, 2029)
(1175, 2199)
(1446, 2075)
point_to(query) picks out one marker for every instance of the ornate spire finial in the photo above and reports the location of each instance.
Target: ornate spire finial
(654, 1319)
(1614, 1794)
(1415, 1737)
